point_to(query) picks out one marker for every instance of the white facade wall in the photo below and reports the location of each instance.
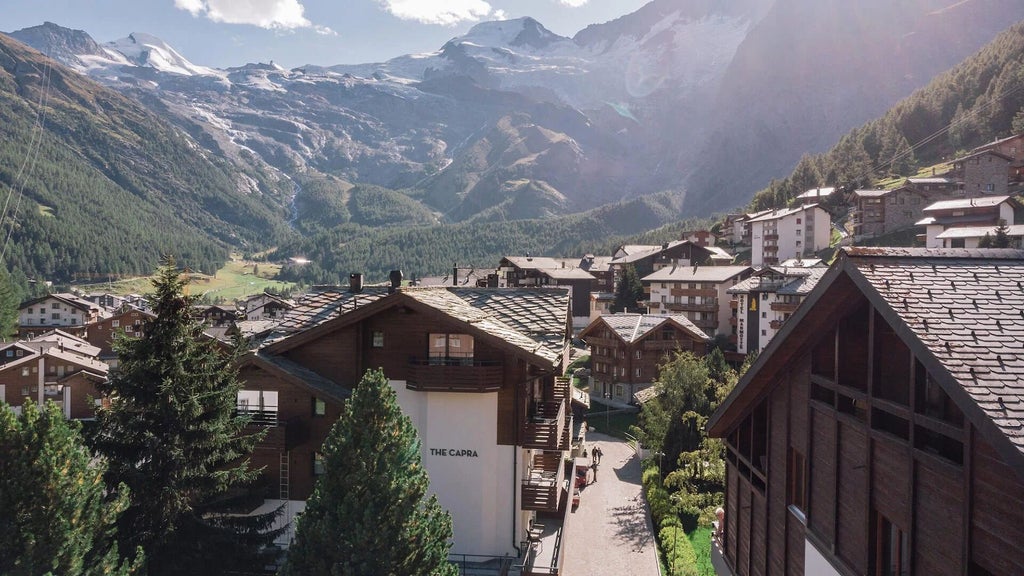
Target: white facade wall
(42, 314)
(791, 236)
(473, 477)
(724, 310)
(1006, 213)
(822, 228)
(756, 243)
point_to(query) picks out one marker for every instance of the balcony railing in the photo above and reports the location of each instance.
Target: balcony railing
(659, 345)
(784, 306)
(454, 375)
(278, 434)
(542, 488)
(776, 324)
(684, 307)
(545, 428)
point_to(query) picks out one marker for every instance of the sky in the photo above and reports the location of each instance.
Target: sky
(292, 33)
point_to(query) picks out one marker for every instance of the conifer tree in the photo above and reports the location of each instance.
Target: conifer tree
(54, 516)
(1002, 237)
(367, 515)
(628, 291)
(170, 435)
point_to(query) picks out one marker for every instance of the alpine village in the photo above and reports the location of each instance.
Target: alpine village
(703, 289)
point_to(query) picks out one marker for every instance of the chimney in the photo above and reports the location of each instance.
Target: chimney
(455, 274)
(355, 282)
(396, 281)
(492, 280)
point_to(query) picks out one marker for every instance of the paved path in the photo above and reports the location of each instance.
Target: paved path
(611, 533)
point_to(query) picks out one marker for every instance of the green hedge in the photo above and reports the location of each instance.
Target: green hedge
(678, 553)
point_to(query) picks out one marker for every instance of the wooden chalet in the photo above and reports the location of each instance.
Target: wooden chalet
(57, 367)
(881, 431)
(476, 369)
(626, 350)
(128, 320)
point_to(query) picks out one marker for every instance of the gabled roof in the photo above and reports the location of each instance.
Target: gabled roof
(318, 307)
(961, 313)
(695, 274)
(933, 180)
(781, 280)
(778, 214)
(534, 321)
(980, 231)
(967, 203)
(534, 262)
(62, 340)
(635, 253)
(870, 193)
(466, 277)
(568, 274)
(297, 374)
(633, 327)
(69, 299)
(982, 153)
(817, 193)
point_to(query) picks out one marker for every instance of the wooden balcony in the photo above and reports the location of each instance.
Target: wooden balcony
(776, 324)
(703, 293)
(659, 345)
(280, 435)
(784, 306)
(545, 429)
(683, 307)
(733, 321)
(543, 487)
(454, 375)
(771, 236)
(734, 304)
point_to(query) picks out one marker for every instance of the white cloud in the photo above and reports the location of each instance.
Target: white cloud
(270, 14)
(445, 12)
(572, 3)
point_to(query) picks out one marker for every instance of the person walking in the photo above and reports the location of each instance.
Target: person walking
(597, 454)
(593, 464)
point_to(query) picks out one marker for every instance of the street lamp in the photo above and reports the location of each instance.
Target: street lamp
(660, 471)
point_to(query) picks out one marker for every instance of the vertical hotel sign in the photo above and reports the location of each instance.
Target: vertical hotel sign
(753, 322)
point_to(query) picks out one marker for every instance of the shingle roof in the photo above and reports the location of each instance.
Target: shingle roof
(318, 307)
(980, 231)
(310, 378)
(804, 284)
(633, 327)
(533, 320)
(768, 279)
(695, 274)
(961, 312)
(776, 214)
(967, 308)
(568, 274)
(870, 193)
(979, 202)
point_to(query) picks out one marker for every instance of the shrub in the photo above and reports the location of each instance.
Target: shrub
(679, 555)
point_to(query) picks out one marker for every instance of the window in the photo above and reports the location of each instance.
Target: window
(259, 405)
(115, 323)
(619, 390)
(639, 354)
(318, 464)
(29, 310)
(378, 339)
(319, 407)
(55, 306)
(799, 220)
(10, 353)
(55, 316)
(24, 371)
(639, 371)
(892, 548)
(450, 349)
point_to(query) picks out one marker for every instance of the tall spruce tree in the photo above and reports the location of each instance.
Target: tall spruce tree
(628, 291)
(170, 436)
(367, 515)
(54, 516)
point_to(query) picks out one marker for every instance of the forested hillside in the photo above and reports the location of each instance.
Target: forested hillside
(977, 101)
(424, 250)
(93, 184)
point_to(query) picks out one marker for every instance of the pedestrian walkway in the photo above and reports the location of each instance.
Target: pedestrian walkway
(611, 533)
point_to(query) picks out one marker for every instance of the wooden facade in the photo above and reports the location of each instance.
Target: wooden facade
(627, 349)
(851, 440)
(445, 354)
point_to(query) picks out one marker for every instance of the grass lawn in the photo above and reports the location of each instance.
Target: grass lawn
(700, 539)
(234, 281)
(615, 424)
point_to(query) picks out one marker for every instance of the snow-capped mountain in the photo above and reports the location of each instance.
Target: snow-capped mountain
(645, 103)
